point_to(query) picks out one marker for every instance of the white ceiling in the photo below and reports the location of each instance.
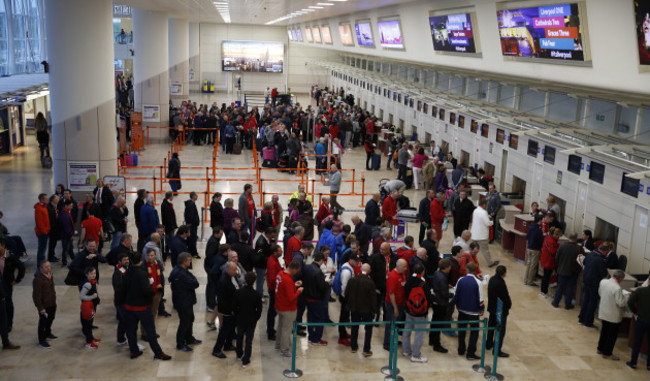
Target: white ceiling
(257, 11)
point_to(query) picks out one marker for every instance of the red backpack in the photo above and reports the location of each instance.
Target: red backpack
(417, 303)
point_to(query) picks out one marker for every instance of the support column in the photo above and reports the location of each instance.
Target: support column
(195, 61)
(179, 56)
(82, 90)
(150, 66)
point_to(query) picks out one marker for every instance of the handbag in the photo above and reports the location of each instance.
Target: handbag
(287, 222)
(108, 227)
(445, 223)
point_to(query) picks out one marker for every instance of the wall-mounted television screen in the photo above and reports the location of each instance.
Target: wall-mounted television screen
(411, 103)
(425, 108)
(575, 164)
(549, 154)
(642, 11)
(501, 136)
(552, 32)
(308, 35)
(419, 106)
(345, 31)
(514, 141)
(441, 115)
(485, 130)
(597, 172)
(452, 33)
(461, 121)
(630, 186)
(299, 34)
(533, 146)
(327, 34)
(364, 34)
(390, 34)
(434, 111)
(315, 32)
(252, 56)
(452, 118)
(474, 126)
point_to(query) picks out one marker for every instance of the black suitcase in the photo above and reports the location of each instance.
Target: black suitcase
(376, 162)
(46, 162)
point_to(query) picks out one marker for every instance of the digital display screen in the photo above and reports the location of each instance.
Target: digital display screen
(461, 121)
(308, 35)
(390, 34)
(345, 31)
(452, 33)
(474, 126)
(327, 35)
(434, 111)
(442, 114)
(485, 130)
(514, 141)
(597, 172)
(252, 56)
(532, 148)
(315, 32)
(642, 12)
(364, 34)
(501, 136)
(549, 154)
(551, 32)
(630, 186)
(575, 164)
(452, 118)
(299, 34)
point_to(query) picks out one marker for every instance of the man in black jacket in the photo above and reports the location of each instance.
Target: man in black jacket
(118, 215)
(53, 235)
(178, 244)
(168, 215)
(88, 257)
(567, 270)
(463, 209)
(9, 278)
(123, 248)
(379, 271)
(497, 289)
(193, 221)
(211, 251)
(245, 251)
(225, 303)
(424, 214)
(137, 295)
(433, 256)
(137, 206)
(247, 308)
(118, 296)
(440, 287)
(360, 294)
(362, 232)
(315, 296)
(263, 250)
(372, 210)
(103, 197)
(184, 285)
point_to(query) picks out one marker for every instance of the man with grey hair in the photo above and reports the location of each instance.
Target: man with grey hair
(118, 214)
(610, 312)
(567, 270)
(385, 235)
(463, 240)
(240, 276)
(372, 210)
(149, 219)
(335, 186)
(154, 244)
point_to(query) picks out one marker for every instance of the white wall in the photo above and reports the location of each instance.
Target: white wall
(296, 74)
(611, 32)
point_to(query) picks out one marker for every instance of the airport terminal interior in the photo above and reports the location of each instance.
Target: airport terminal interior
(545, 100)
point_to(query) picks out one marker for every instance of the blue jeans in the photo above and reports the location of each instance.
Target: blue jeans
(589, 305)
(389, 315)
(316, 313)
(570, 282)
(418, 337)
(42, 247)
(259, 282)
(116, 239)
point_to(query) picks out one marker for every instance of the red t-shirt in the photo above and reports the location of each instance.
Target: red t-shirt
(251, 206)
(273, 267)
(92, 225)
(395, 285)
(294, 244)
(286, 294)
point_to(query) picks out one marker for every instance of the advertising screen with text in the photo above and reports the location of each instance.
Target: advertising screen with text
(452, 33)
(390, 34)
(642, 9)
(364, 34)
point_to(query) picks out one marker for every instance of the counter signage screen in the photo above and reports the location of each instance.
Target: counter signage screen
(425, 108)
(642, 9)
(345, 32)
(452, 118)
(308, 35)
(485, 130)
(434, 111)
(364, 34)
(390, 34)
(474, 126)
(630, 186)
(597, 172)
(442, 114)
(461, 121)
(452, 33)
(327, 35)
(315, 31)
(299, 34)
(252, 56)
(575, 164)
(501, 136)
(514, 141)
(552, 32)
(549, 154)
(533, 146)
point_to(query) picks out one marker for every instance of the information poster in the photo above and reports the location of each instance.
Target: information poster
(117, 185)
(82, 175)
(150, 113)
(176, 89)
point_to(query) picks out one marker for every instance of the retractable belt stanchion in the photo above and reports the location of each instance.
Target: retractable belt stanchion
(293, 372)
(386, 370)
(482, 368)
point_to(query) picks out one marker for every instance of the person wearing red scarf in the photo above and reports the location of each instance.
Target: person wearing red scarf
(156, 280)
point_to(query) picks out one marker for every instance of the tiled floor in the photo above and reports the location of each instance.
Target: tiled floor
(544, 343)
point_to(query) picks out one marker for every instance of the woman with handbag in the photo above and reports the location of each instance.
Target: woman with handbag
(549, 248)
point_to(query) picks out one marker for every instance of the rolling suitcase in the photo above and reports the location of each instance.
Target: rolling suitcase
(408, 215)
(129, 160)
(376, 162)
(46, 162)
(236, 149)
(135, 160)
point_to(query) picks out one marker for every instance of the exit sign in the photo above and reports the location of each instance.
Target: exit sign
(600, 117)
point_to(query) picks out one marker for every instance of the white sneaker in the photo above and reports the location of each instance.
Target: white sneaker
(419, 359)
(543, 295)
(122, 343)
(141, 347)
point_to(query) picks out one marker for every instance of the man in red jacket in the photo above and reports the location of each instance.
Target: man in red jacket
(294, 244)
(286, 303)
(42, 228)
(389, 207)
(438, 214)
(323, 211)
(273, 268)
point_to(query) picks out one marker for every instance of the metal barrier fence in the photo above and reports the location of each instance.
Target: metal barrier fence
(391, 371)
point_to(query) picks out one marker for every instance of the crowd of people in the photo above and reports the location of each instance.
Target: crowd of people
(255, 258)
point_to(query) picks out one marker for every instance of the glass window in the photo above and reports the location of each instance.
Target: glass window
(507, 95)
(602, 115)
(443, 81)
(562, 107)
(26, 32)
(532, 101)
(3, 40)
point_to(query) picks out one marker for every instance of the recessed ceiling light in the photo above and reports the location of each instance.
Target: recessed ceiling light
(327, 4)
(339, 0)
(315, 7)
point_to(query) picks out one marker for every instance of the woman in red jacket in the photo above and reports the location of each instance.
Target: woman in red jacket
(370, 150)
(549, 248)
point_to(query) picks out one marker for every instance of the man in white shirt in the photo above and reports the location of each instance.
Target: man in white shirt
(481, 231)
(463, 240)
(612, 306)
(347, 272)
